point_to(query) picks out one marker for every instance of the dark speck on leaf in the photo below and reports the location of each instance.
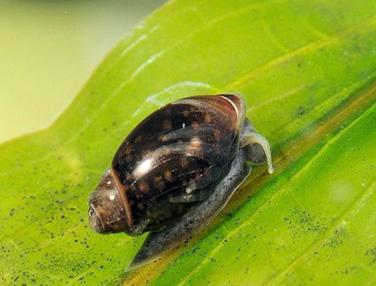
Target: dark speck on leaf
(337, 238)
(372, 252)
(12, 211)
(301, 110)
(301, 220)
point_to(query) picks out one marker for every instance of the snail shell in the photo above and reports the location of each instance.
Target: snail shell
(183, 150)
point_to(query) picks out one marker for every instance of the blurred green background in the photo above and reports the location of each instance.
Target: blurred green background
(48, 49)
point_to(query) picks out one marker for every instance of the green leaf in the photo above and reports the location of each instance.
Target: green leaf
(307, 70)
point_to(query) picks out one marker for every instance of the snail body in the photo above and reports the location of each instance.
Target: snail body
(176, 170)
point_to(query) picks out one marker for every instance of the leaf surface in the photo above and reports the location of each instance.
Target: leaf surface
(307, 70)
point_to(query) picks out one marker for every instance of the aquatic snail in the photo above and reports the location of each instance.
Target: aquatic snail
(176, 171)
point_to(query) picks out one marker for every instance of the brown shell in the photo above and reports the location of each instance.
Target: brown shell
(184, 147)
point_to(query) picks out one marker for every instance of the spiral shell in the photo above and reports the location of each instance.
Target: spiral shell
(182, 150)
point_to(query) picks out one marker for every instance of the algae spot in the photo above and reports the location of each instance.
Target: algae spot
(303, 221)
(371, 252)
(337, 238)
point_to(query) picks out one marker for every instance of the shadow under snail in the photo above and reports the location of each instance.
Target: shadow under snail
(177, 170)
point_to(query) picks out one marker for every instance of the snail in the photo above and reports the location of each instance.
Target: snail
(177, 170)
